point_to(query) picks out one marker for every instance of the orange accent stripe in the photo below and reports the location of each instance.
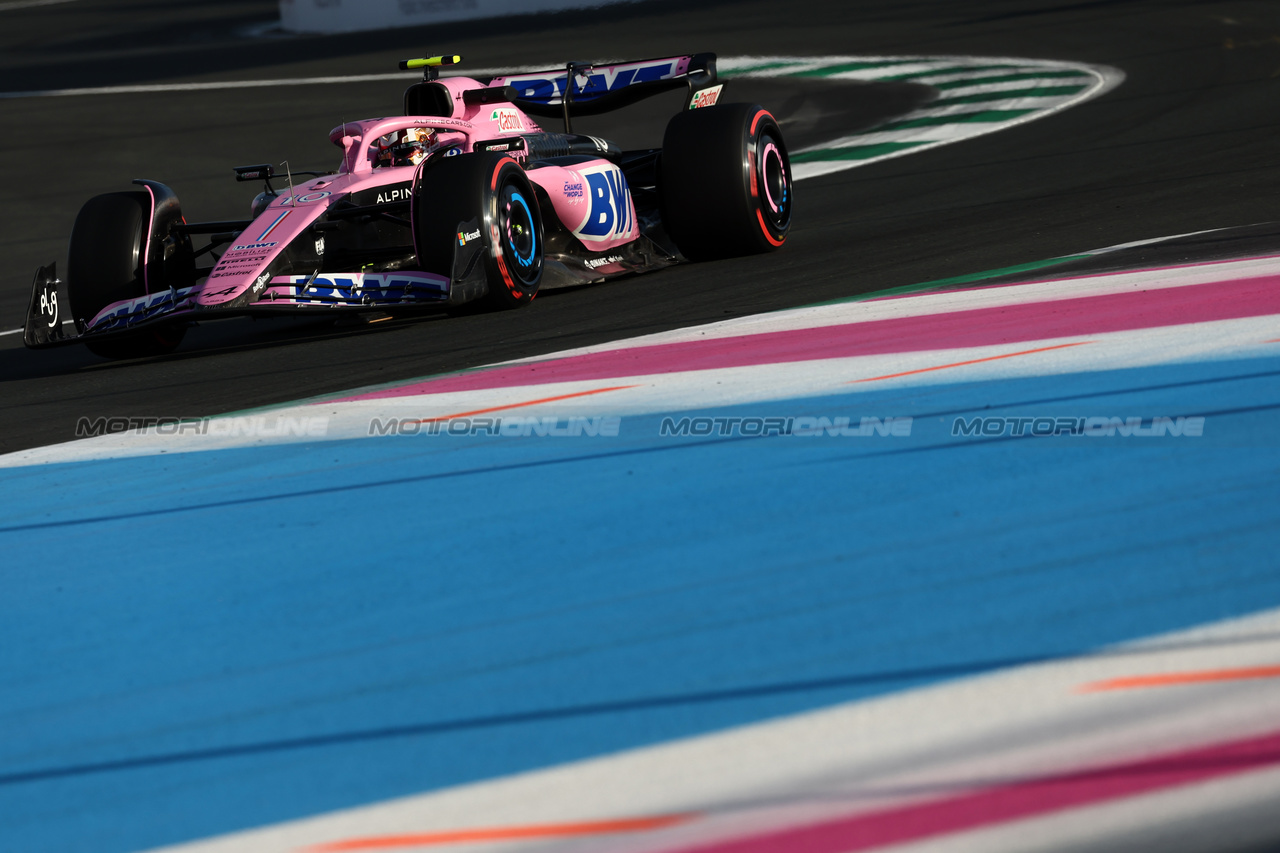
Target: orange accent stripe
(1174, 678)
(1272, 341)
(505, 833)
(963, 363)
(520, 405)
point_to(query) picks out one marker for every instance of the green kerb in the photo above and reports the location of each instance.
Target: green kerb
(955, 69)
(828, 70)
(1039, 92)
(1005, 78)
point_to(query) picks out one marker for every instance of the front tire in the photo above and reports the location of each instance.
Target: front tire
(492, 191)
(725, 182)
(104, 265)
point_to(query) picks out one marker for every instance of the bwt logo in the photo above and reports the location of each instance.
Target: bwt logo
(610, 214)
(144, 305)
(1095, 426)
(354, 286)
(601, 80)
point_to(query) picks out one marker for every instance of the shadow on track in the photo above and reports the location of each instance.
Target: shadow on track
(904, 678)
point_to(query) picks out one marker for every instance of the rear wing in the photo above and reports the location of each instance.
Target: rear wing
(584, 89)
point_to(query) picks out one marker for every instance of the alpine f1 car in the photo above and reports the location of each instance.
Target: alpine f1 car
(464, 198)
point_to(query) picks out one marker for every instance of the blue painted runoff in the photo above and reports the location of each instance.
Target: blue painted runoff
(199, 643)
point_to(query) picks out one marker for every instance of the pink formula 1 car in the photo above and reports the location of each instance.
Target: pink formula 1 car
(464, 198)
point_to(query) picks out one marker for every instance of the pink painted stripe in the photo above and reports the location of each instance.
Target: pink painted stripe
(1012, 802)
(1008, 324)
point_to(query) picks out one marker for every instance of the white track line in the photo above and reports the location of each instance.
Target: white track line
(20, 331)
(242, 84)
(27, 4)
(922, 138)
(196, 87)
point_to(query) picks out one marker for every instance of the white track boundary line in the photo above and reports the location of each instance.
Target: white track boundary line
(152, 88)
(20, 331)
(28, 4)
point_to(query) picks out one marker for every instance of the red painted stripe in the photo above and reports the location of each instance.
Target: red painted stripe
(522, 405)
(1011, 802)
(504, 833)
(1006, 324)
(970, 361)
(1171, 679)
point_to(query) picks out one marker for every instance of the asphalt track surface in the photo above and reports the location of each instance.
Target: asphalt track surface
(1187, 143)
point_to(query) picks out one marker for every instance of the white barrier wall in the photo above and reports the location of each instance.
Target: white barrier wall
(342, 16)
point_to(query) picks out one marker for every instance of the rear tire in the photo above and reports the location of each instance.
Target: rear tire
(492, 190)
(725, 182)
(104, 265)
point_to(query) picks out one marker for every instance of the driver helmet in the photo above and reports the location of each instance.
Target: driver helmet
(405, 147)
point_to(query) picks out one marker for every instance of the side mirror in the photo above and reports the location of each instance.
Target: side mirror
(254, 173)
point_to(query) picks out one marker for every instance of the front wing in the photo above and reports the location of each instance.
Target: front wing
(281, 295)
